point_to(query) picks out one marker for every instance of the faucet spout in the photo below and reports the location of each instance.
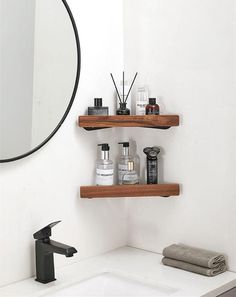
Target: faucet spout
(59, 248)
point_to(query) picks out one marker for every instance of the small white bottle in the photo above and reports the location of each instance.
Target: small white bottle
(142, 101)
(104, 168)
(131, 176)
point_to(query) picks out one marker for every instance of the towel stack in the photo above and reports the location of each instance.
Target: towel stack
(194, 259)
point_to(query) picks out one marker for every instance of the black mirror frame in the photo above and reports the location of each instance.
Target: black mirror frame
(73, 94)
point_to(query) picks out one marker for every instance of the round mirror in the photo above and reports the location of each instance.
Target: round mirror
(39, 73)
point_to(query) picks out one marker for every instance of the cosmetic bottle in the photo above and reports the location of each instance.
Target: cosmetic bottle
(130, 177)
(142, 101)
(124, 158)
(104, 167)
(98, 109)
(152, 164)
(152, 108)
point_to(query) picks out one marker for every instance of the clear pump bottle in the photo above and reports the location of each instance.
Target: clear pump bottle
(104, 167)
(123, 161)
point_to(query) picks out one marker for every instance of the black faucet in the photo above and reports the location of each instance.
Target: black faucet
(45, 248)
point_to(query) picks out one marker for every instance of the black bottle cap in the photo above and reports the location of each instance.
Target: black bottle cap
(98, 102)
(152, 101)
(105, 147)
(125, 144)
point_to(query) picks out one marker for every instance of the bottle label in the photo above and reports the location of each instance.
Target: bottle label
(104, 177)
(140, 108)
(152, 172)
(98, 110)
(122, 169)
(129, 177)
(152, 111)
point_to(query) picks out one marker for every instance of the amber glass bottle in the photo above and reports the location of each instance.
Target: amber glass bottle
(152, 108)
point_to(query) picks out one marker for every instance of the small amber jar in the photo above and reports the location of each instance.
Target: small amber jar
(152, 108)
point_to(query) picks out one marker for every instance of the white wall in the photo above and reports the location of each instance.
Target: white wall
(185, 51)
(45, 186)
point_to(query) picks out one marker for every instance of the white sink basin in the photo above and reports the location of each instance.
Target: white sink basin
(125, 272)
(111, 284)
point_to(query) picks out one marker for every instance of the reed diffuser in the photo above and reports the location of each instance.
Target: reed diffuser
(123, 110)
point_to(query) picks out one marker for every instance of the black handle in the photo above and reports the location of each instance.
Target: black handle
(45, 232)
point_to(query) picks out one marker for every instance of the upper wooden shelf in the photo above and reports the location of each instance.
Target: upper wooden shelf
(117, 191)
(148, 121)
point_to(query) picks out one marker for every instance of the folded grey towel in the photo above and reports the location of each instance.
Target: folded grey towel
(194, 268)
(193, 255)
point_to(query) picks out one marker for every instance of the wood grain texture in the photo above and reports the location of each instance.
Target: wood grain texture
(117, 191)
(150, 121)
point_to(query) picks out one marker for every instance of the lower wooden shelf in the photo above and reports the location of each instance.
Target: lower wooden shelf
(122, 191)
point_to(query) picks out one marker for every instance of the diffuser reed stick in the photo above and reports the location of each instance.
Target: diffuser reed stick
(116, 88)
(131, 87)
(123, 98)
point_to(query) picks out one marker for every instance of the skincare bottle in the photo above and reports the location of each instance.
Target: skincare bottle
(130, 177)
(104, 167)
(98, 109)
(152, 108)
(142, 101)
(152, 164)
(123, 161)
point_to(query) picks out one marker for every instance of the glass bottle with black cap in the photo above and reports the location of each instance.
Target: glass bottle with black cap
(152, 108)
(124, 158)
(98, 109)
(104, 167)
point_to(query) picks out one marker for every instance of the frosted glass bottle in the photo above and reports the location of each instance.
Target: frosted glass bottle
(142, 101)
(104, 168)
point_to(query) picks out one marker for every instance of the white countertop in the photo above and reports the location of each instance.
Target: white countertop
(128, 261)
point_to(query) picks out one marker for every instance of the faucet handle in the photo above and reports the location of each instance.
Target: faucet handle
(45, 232)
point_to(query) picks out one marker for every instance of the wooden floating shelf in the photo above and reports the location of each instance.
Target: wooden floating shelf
(118, 191)
(148, 121)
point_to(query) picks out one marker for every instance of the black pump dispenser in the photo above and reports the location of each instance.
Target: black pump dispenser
(105, 147)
